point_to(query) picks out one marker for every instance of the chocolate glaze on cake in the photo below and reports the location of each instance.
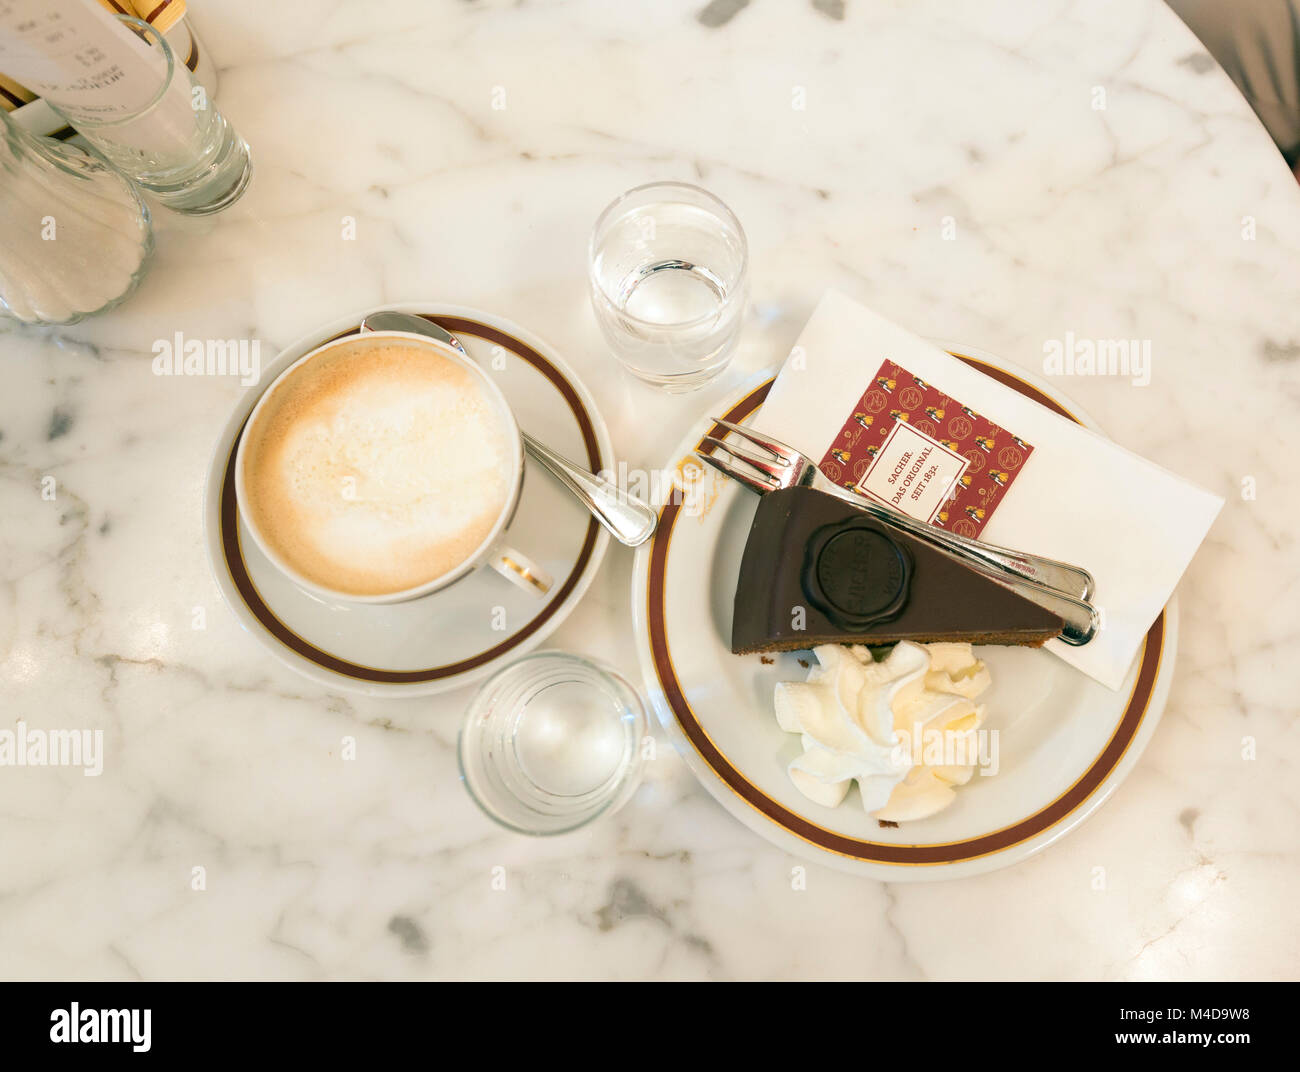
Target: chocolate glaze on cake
(816, 562)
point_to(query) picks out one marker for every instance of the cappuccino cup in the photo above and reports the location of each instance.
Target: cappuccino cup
(383, 467)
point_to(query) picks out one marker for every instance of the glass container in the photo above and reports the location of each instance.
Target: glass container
(76, 238)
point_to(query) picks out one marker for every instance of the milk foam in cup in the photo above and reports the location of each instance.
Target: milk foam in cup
(383, 467)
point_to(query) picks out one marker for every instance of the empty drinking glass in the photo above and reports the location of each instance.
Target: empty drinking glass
(176, 144)
(668, 273)
(551, 742)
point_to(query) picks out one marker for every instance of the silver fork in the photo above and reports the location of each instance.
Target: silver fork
(1057, 586)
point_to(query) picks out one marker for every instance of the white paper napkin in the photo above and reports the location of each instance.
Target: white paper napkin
(1079, 497)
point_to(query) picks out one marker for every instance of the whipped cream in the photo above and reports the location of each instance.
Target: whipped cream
(905, 728)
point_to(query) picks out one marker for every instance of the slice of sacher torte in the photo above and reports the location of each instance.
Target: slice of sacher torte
(817, 571)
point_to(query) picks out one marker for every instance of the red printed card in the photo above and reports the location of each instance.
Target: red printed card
(909, 445)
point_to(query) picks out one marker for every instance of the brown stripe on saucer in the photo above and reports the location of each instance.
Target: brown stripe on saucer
(233, 553)
(880, 852)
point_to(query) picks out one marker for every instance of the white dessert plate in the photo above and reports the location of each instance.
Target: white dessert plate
(1065, 741)
(461, 634)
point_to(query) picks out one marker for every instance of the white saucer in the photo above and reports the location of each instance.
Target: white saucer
(463, 633)
(1065, 741)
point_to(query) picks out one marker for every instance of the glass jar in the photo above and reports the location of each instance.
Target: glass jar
(75, 238)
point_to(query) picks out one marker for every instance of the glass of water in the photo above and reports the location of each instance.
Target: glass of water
(668, 271)
(551, 742)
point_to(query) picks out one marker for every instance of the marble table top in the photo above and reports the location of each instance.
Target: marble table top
(999, 174)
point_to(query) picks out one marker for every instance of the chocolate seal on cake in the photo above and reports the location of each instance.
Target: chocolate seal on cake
(855, 574)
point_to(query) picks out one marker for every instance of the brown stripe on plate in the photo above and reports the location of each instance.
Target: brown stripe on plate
(874, 851)
(243, 582)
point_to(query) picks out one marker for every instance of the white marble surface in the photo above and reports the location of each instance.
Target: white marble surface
(1121, 222)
